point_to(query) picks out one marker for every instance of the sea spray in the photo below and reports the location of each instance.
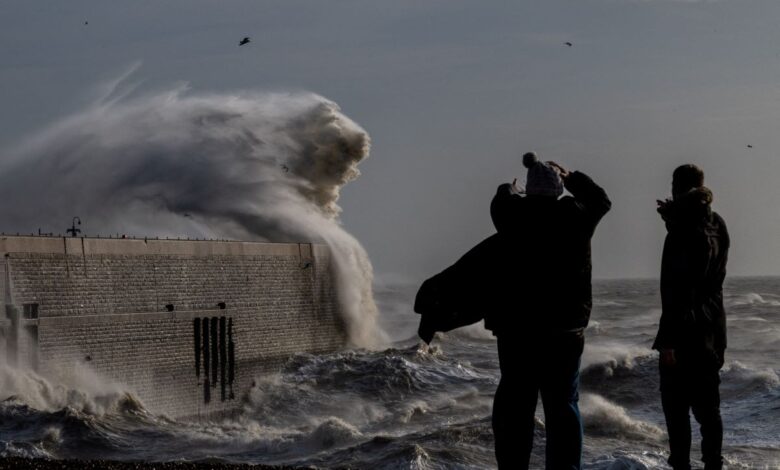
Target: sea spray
(603, 418)
(260, 166)
(81, 390)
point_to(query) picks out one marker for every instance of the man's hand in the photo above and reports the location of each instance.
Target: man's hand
(561, 170)
(668, 358)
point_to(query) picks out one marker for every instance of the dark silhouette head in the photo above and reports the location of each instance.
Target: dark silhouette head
(685, 178)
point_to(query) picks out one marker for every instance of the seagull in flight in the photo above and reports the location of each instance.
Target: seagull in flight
(244, 41)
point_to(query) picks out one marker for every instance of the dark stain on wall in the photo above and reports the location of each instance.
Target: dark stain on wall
(197, 343)
(214, 352)
(206, 362)
(213, 343)
(222, 355)
(231, 358)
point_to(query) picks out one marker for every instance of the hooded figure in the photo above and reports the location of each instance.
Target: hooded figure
(692, 332)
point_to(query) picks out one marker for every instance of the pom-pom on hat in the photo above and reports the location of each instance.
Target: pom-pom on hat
(542, 179)
(530, 159)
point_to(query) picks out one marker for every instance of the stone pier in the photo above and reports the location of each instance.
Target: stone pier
(185, 325)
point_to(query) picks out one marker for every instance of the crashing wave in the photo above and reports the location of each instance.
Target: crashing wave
(250, 166)
(603, 418)
(82, 391)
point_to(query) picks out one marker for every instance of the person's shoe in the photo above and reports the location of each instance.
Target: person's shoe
(680, 465)
(717, 464)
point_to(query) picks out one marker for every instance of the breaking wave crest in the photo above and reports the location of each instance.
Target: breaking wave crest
(81, 391)
(739, 379)
(603, 418)
(251, 166)
(752, 298)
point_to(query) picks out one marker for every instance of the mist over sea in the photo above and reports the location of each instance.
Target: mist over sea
(408, 406)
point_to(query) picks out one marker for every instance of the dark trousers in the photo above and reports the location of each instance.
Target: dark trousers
(692, 385)
(550, 365)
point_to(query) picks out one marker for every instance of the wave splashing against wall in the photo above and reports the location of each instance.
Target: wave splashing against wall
(82, 391)
(253, 166)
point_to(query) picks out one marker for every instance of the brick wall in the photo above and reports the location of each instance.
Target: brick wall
(133, 310)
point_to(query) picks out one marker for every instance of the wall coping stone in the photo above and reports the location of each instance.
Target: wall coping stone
(85, 246)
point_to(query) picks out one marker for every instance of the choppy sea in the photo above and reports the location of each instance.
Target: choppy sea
(415, 407)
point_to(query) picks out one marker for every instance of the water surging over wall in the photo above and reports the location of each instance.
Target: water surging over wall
(248, 165)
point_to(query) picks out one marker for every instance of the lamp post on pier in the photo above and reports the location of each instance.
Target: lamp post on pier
(73, 230)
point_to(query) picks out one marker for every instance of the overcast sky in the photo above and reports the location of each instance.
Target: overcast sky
(452, 93)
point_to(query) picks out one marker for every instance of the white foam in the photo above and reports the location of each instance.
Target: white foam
(81, 390)
(475, 331)
(604, 418)
(735, 372)
(647, 460)
(334, 432)
(612, 354)
(753, 298)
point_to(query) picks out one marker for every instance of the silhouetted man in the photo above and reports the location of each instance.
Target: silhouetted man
(692, 332)
(545, 310)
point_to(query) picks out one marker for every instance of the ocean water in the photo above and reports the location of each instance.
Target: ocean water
(414, 407)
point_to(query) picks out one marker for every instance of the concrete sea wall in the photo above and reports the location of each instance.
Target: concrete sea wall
(185, 325)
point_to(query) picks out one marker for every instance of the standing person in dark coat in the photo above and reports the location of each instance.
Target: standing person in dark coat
(692, 333)
(545, 307)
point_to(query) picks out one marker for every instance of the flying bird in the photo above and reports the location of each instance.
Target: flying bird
(86, 22)
(244, 41)
(568, 43)
(750, 146)
(285, 168)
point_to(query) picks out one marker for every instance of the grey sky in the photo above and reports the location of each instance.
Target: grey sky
(452, 93)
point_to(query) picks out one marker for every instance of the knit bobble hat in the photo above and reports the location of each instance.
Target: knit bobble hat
(542, 179)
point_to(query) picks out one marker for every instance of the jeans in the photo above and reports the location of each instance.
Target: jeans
(692, 385)
(550, 365)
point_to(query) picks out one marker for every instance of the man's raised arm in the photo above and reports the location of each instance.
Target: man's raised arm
(590, 197)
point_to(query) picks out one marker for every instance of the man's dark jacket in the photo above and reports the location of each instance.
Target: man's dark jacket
(465, 292)
(547, 241)
(693, 268)
(532, 276)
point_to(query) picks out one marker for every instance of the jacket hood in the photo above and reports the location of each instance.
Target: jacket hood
(691, 208)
